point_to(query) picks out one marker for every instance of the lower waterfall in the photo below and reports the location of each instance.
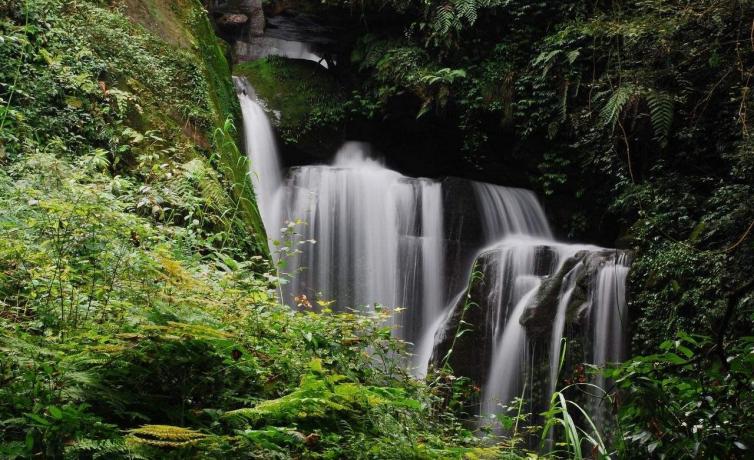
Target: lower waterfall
(386, 239)
(517, 271)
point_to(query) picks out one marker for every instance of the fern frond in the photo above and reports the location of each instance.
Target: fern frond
(444, 19)
(610, 113)
(164, 436)
(466, 9)
(99, 448)
(661, 114)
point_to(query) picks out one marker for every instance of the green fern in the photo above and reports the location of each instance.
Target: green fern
(164, 436)
(100, 449)
(312, 400)
(610, 113)
(444, 20)
(466, 9)
(661, 113)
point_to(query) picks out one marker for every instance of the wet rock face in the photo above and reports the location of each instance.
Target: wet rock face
(541, 310)
(471, 352)
(462, 232)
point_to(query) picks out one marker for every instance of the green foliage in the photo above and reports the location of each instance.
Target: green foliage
(322, 398)
(170, 345)
(579, 430)
(304, 98)
(692, 399)
(101, 90)
(164, 436)
(661, 113)
(613, 109)
(235, 165)
(559, 415)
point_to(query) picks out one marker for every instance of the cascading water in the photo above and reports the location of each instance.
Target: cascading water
(609, 311)
(266, 173)
(261, 47)
(609, 317)
(502, 211)
(378, 234)
(382, 238)
(507, 211)
(518, 266)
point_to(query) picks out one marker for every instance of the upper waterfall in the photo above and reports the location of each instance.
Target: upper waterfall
(378, 235)
(507, 210)
(264, 159)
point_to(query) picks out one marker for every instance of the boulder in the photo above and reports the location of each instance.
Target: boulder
(238, 19)
(232, 20)
(542, 309)
(478, 307)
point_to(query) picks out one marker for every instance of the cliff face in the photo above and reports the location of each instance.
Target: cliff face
(195, 97)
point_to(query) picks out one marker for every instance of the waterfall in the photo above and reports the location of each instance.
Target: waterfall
(502, 211)
(260, 47)
(610, 312)
(433, 262)
(609, 319)
(261, 149)
(386, 239)
(518, 266)
(556, 336)
(506, 210)
(379, 238)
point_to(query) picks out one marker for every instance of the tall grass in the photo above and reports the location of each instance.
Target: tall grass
(562, 414)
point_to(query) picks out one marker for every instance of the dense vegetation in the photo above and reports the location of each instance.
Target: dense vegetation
(137, 309)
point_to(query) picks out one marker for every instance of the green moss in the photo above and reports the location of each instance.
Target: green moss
(306, 97)
(165, 19)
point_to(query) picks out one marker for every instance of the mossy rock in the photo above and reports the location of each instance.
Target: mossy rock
(303, 99)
